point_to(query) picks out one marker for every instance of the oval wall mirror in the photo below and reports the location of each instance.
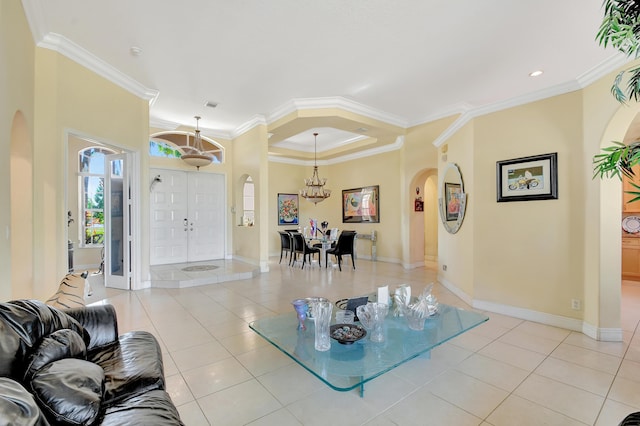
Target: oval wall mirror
(453, 199)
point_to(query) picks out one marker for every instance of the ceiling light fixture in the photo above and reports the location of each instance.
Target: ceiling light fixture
(315, 190)
(536, 73)
(195, 155)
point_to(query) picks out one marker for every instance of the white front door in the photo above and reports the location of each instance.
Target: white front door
(187, 216)
(117, 211)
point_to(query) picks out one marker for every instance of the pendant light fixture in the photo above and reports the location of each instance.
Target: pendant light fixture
(314, 190)
(195, 155)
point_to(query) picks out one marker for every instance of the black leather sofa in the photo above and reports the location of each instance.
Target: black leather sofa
(72, 368)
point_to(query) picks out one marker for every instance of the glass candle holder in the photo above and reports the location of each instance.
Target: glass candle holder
(301, 307)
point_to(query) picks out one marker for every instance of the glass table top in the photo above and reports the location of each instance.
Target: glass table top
(345, 367)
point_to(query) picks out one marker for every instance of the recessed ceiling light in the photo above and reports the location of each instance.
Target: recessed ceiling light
(211, 104)
(535, 73)
(135, 51)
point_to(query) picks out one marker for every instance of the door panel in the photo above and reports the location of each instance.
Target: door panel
(187, 217)
(206, 216)
(117, 210)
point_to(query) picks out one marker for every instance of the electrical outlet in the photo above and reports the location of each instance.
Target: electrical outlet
(444, 267)
(575, 304)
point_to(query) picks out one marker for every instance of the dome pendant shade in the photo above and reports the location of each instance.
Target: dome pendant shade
(315, 190)
(195, 155)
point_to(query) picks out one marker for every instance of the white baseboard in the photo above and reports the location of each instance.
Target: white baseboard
(601, 334)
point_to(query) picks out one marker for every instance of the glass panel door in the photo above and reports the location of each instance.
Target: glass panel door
(117, 206)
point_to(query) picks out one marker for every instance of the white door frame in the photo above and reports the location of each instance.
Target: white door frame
(189, 225)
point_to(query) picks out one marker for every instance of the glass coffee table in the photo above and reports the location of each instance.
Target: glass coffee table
(346, 367)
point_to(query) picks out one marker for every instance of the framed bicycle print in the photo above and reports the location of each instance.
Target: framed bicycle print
(528, 178)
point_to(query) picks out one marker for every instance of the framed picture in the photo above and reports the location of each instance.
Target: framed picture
(528, 178)
(418, 205)
(287, 209)
(452, 195)
(361, 205)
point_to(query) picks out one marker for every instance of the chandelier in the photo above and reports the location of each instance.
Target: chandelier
(195, 155)
(314, 190)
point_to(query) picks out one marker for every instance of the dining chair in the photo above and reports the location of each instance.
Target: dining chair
(301, 246)
(345, 246)
(285, 245)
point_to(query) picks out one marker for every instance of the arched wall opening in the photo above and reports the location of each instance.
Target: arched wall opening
(608, 293)
(423, 225)
(21, 196)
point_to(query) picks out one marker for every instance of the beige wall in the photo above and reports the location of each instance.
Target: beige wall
(532, 256)
(524, 250)
(16, 128)
(72, 99)
(250, 243)
(381, 169)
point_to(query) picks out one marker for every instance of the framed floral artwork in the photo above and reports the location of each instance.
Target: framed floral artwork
(288, 209)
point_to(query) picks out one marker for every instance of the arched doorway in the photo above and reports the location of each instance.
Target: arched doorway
(423, 226)
(606, 292)
(21, 196)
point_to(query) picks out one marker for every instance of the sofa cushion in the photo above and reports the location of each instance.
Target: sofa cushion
(150, 408)
(58, 345)
(131, 366)
(23, 324)
(69, 391)
(17, 406)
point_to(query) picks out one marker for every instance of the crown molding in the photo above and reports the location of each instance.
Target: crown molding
(66, 47)
(338, 102)
(159, 123)
(603, 68)
(255, 121)
(582, 81)
(362, 154)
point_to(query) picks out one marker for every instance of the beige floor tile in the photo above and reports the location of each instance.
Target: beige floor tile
(531, 342)
(521, 412)
(513, 355)
(470, 394)
(572, 402)
(585, 378)
(239, 404)
(472, 341)
(197, 356)
(192, 415)
(263, 360)
(613, 412)
(280, 417)
(612, 348)
(630, 370)
(178, 389)
(196, 326)
(328, 405)
(542, 330)
(497, 373)
(587, 358)
(214, 377)
(423, 407)
(625, 391)
(290, 383)
(243, 342)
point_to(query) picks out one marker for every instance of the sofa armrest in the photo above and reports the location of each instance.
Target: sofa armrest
(100, 321)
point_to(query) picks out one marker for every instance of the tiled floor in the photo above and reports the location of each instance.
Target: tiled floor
(504, 372)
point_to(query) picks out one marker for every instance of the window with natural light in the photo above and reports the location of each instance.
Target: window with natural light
(248, 202)
(91, 176)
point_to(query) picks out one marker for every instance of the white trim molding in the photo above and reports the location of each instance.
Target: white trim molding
(600, 334)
